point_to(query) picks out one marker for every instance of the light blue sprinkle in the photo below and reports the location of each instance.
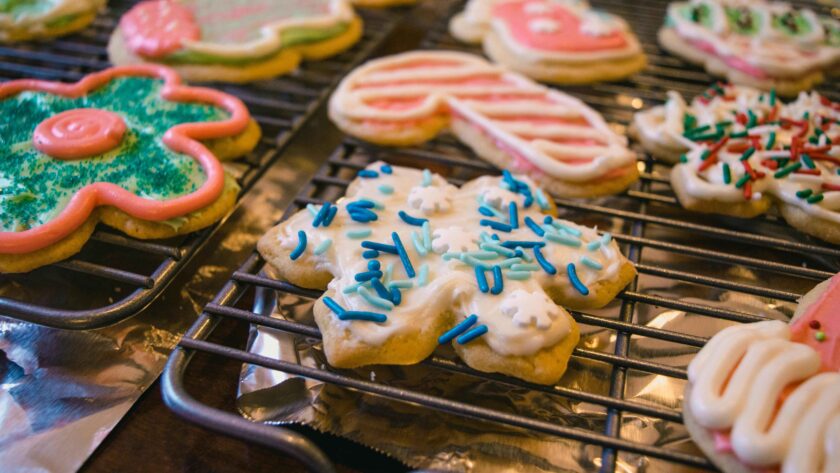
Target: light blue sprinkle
(518, 275)
(360, 233)
(312, 209)
(510, 262)
(449, 256)
(541, 200)
(591, 263)
(484, 237)
(402, 284)
(504, 185)
(470, 260)
(423, 278)
(355, 287)
(427, 178)
(377, 205)
(593, 245)
(389, 273)
(322, 247)
(562, 238)
(495, 213)
(386, 189)
(570, 230)
(484, 255)
(375, 300)
(525, 267)
(524, 254)
(606, 239)
(497, 248)
(427, 236)
(418, 244)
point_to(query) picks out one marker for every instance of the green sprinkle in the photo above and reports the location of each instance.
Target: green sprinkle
(752, 119)
(773, 97)
(749, 152)
(771, 140)
(694, 131)
(705, 155)
(322, 247)
(525, 267)
(727, 174)
(739, 134)
(683, 158)
(423, 275)
(709, 136)
(689, 121)
(804, 193)
(743, 180)
(787, 169)
(360, 233)
(815, 198)
(820, 336)
(813, 140)
(518, 275)
(809, 163)
(723, 124)
(386, 189)
(374, 300)
(806, 115)
(591, 263)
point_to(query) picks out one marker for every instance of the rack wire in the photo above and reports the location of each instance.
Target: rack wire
(115, 276)
(761, 258)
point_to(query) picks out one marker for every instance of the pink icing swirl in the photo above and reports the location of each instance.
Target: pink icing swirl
(79, 133)
(159, 27)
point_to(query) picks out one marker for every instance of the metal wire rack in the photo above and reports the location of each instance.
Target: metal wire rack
(115, 276)
(760, 258)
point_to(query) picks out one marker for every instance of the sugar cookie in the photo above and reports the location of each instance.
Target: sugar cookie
(22, 20)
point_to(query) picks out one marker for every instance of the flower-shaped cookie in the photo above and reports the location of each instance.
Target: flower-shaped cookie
(485, 276)
(124, 139)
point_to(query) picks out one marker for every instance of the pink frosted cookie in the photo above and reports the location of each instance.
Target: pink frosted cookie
(562, 42)
(765, 397)
(761, 44)
(506, 118)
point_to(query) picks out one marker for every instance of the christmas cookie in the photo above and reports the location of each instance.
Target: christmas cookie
(562, 42)
(129, 146)
(410, 262)
(509, 120)
(761, 44)
(233, 40)
(766, 396)
(22, 20)
(741, 150)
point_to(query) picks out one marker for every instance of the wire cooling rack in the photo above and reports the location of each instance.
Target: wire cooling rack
(760, 259)
(115, 276)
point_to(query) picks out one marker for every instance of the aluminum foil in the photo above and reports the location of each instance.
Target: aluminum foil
(424, 438)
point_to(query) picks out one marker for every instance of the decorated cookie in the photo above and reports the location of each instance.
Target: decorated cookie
(22, 20)
(760, 44)
(382, 3)
(766, 396)
(564, 42)
(507, 119)
(233, 40)
(409, 262)
(119, 146)
(740, 150)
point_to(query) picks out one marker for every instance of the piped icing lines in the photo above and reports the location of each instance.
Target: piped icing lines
(768, 393)
(740, 144)
(232, 29)
(40, 16)
(544, 131)
(424, 249)
(761, 39)
(123, 137)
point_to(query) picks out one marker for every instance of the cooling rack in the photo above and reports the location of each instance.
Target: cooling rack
(760, 259)
(116, 276)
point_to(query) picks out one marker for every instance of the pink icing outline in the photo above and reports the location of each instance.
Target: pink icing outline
(180, 138)
(83, 142)
(825, 310)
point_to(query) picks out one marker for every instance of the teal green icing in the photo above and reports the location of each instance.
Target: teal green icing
(19, 8)
(35, 187)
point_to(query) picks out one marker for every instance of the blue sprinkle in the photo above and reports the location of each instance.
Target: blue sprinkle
(481, 278)
(458, 329)
(403, 283)
(483, 210)
(374, 265)
(514, 215)
(370, 254)
(423, 278)
(605, 240)
(411, 220)
(546, 266)
(498, 249)
(380, 289)
(312, 209)
(362, 315)
(396, 296)
(362, 203)
(387, 169)
(372, 245)
(573, 277)
(427, 178)
(509, 262)
(386, 189)
(563, 239)
(331, 216)
(482, 254)
(409, 269)
(354, 287)
(472, 335)
(495, 237)
(498, 282)
(529, 199)
(362, 215)
(502, 227)
(541, 200)
(333, 306)
(570, 230)
(493, 212)
(418, 244)
(524, 267)
(520, 252)
(375, 301)
(534, 226)
(548, 219)
(301, 246)
(591, 263)
(518, 275)
(470, 260)
(427, 236)
(322, 214)
(593, 245)
(360, 233)
(368, 275)
(512, 244)
(367, 173)
(322, 247)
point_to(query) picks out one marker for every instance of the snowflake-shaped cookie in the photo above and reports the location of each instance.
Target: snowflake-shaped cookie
(530, 307)
(453, 239)
(430, 199)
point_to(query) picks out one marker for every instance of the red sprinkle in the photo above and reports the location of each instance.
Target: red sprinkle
(811, 172)
(741, 118)
(815, 324)
(738, 147)
(769, 163)
(824, 157)
(748, 191)
(830, 187)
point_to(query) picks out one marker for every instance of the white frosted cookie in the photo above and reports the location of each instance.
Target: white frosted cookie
(766, 396)
(22, 20)
(741, 150)
(509, 120)
(409, 262)
(564, 42)
(760, 44)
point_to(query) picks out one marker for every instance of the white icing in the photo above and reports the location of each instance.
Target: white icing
(596, 23)
(543, 25)
(452, 285)
(383, 80)
(528, 308)
(737, 380)
(431, 199)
